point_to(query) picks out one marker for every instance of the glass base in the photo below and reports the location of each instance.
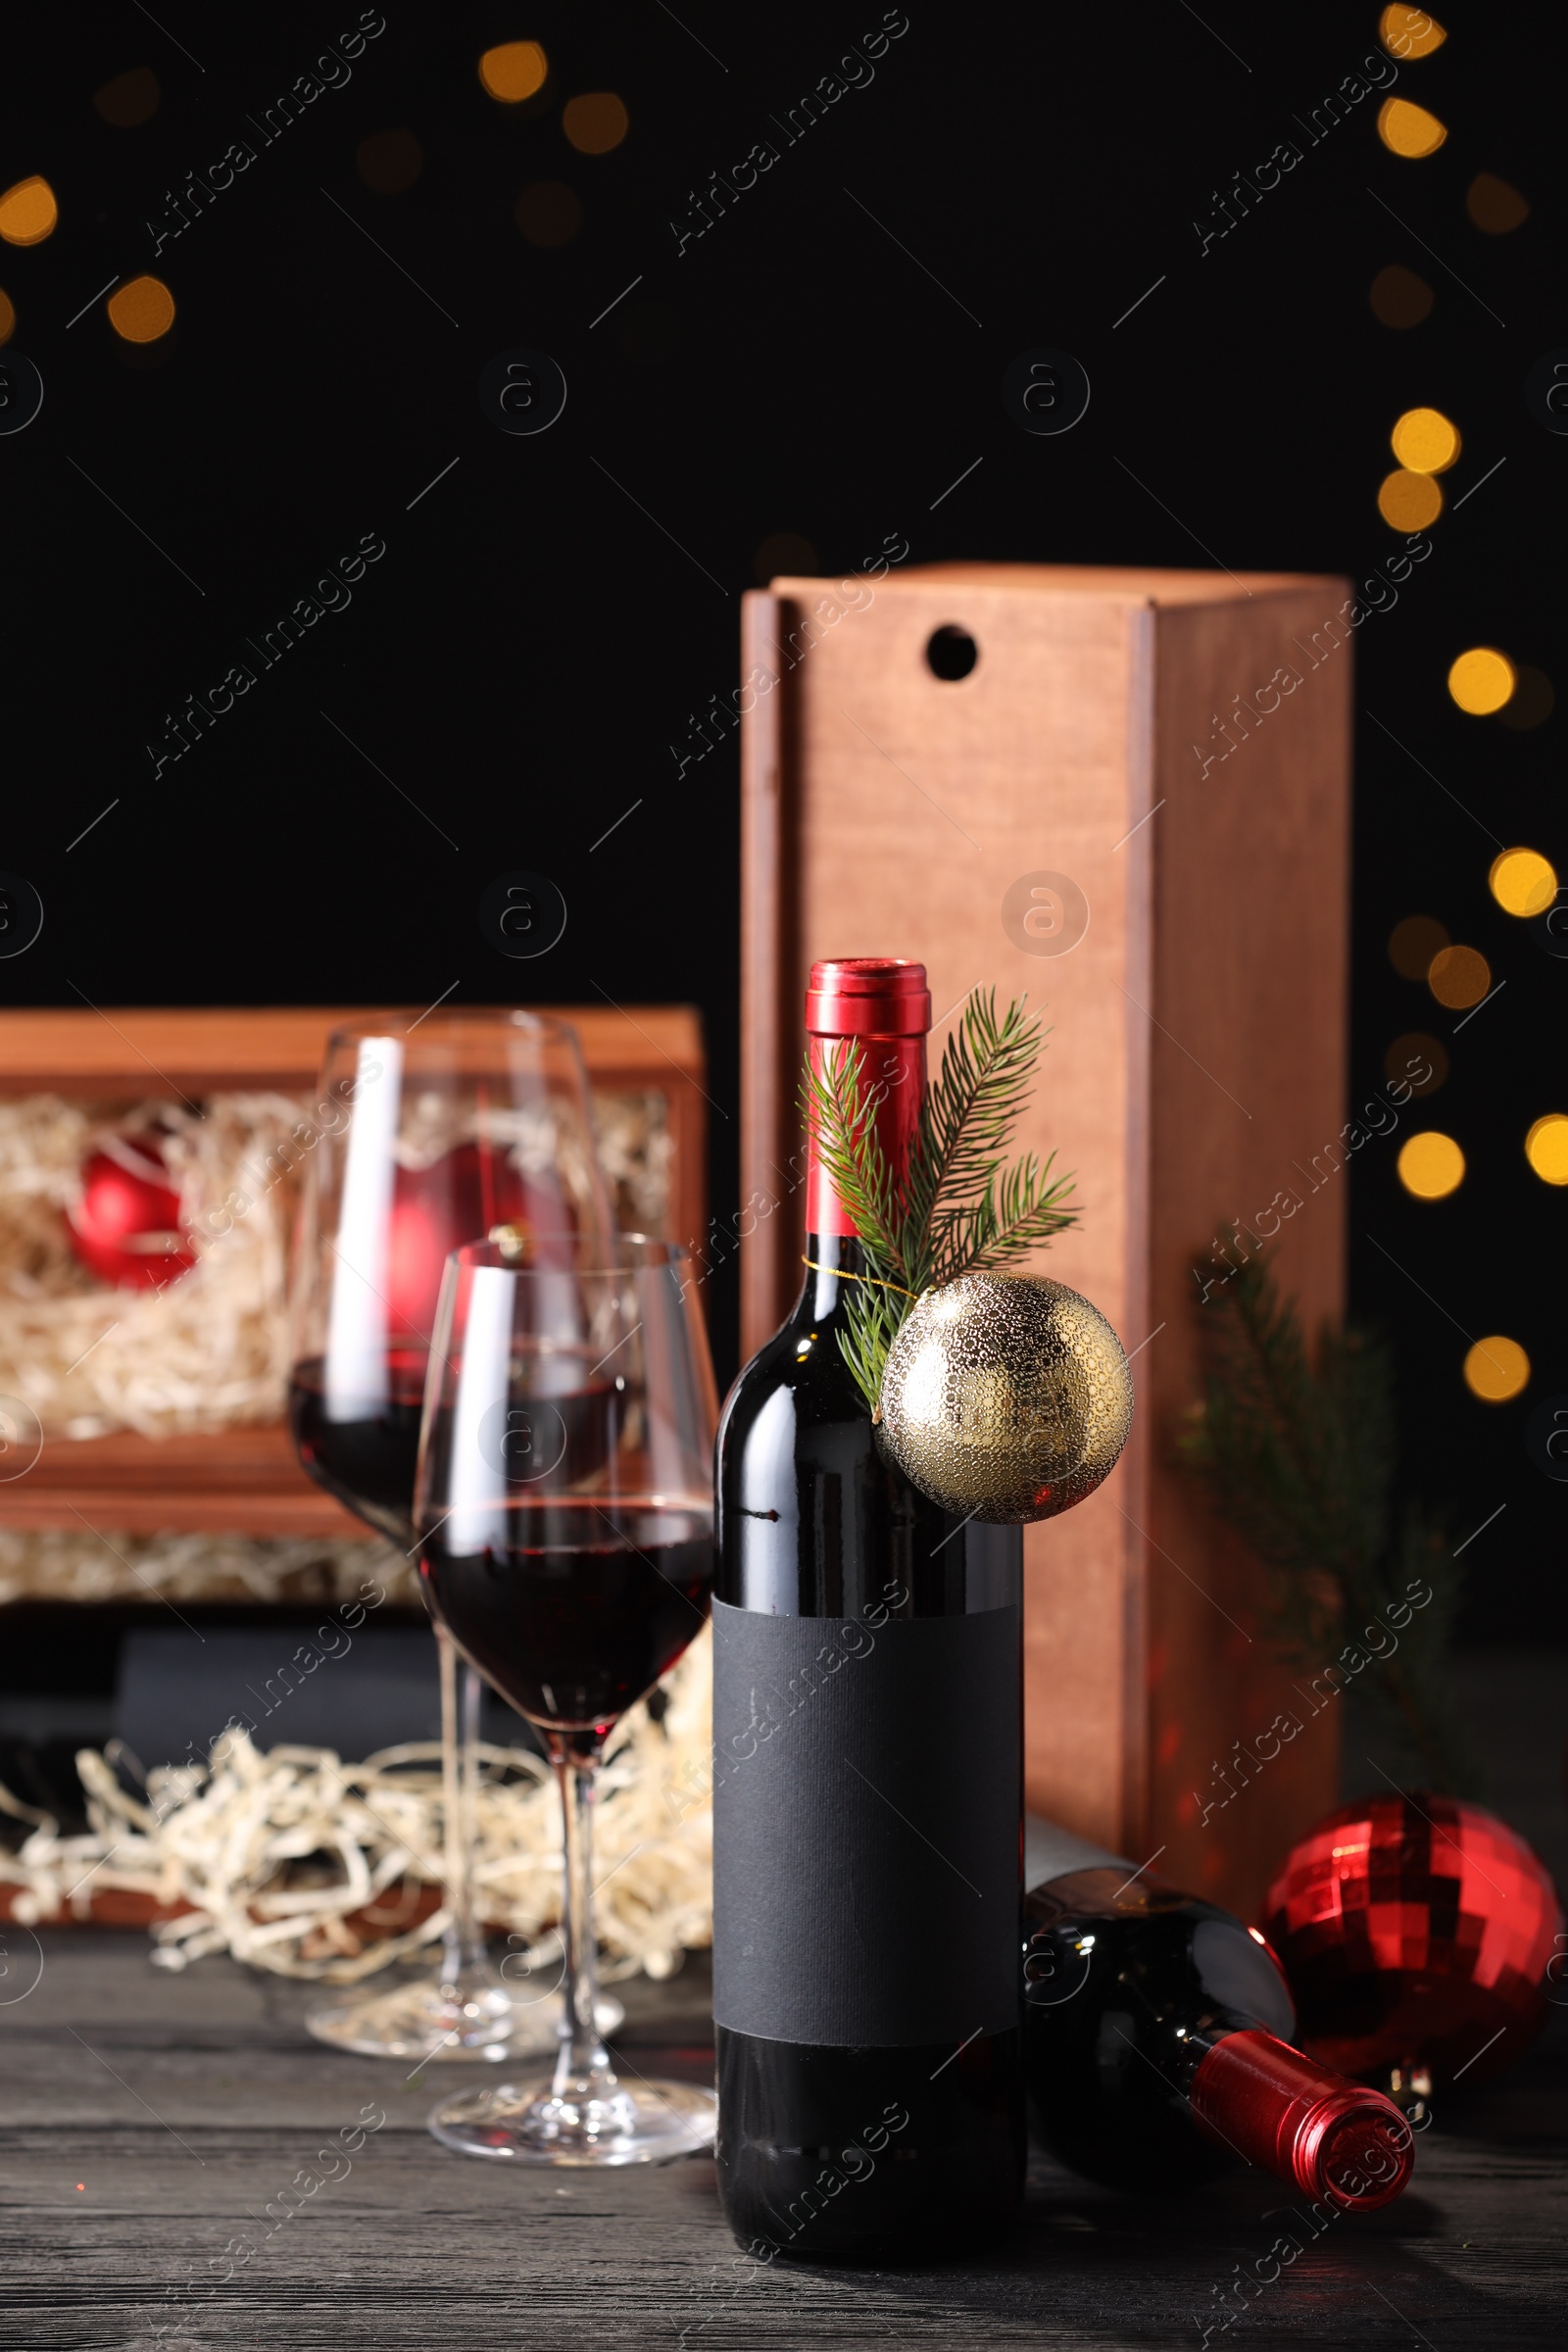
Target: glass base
(522, 2122)
(425, 2021)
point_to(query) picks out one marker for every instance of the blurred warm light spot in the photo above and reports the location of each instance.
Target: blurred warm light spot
(514, 70)
(1460, 977)
(1497, 1369)
(1547, 1147)
(389, 161)
(1531, 702)
(29, 212)
(1410, 130)
(1408, 502)
(7, 316)
(1523, 882)
(595, 122)
(1480, 680)
(1411, 1054)
(1400, 298)
(130, 99)
(785, 555)
(1425, 440)
(141, 309)
(1412, 945)
(1410, 33)
(1494, 205)
(549, 213)
(1431, 1166)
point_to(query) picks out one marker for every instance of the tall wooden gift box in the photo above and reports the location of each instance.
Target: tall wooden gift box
(1134, 805)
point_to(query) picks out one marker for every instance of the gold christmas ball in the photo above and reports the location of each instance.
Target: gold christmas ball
(1006, 1397)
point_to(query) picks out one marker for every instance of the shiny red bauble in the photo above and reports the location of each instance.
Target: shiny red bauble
(1417, 1933)
(463, 1197)
(125, 1227)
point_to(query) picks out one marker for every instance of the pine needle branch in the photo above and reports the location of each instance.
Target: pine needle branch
(1297, 1450)
(959, 1208)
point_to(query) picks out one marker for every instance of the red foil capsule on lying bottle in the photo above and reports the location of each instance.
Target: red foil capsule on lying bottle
(1157, 2043)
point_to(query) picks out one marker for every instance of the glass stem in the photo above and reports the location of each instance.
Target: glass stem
(463, 1954)
(583, 2070)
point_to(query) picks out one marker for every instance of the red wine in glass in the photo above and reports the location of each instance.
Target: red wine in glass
(564, 1510)
(367, 1462)
(574, 1608)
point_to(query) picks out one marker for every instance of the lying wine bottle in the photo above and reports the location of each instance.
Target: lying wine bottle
(1158, 2049)
(868, 1773)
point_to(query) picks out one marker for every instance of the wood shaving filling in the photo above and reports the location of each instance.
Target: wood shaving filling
(211, 1350)
(207, 1351)
(274, 1853)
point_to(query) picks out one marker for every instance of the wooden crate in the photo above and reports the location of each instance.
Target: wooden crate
(245, 1480)
(1196, 1061)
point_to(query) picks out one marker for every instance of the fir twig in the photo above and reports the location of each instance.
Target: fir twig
(1297, 1453)
(959, 1207)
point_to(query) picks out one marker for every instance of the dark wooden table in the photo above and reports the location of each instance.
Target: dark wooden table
(147, 2122)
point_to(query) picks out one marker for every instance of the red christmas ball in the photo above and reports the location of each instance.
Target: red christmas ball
(1416, 1932)
(460, 1198)
(125, 1226)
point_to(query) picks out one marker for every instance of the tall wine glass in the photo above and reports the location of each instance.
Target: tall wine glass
(434, 1131)
(565, 1515)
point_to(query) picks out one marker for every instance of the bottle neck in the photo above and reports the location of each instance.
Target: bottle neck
(831, 1263)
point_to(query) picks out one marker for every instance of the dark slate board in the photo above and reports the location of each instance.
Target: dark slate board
(185, 2105)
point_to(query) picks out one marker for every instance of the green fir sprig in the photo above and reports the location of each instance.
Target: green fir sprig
(1298, 1452)
(957, 1207)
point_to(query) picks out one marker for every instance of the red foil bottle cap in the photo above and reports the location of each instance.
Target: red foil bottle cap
(867, 996)
(1331, 2137)
(882, 1004)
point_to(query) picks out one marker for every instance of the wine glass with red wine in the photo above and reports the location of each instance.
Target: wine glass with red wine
(432, 1132)
(566, 1516)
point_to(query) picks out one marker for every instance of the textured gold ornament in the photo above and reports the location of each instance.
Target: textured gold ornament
(1006, 1397)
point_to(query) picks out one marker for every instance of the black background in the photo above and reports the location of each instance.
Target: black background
(531, 644)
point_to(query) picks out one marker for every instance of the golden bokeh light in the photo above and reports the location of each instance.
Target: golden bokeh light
(1480, 680)
(1497, 1369)
(1547, 1147)
(1459, 977)
(1532, 700)
(1408, 502)
(1431, 1166)
(1410, 130)
(595, 122)
(513, 71)
(1418, 1061)
(1413, 942)
(1407, 32)
(29, 212)
(7, 316)
(1400, 298)
(1425, 441)
(1493, 205)
(548, 213)
(1523, 882)
(130, 99)
(389, 161)
(141, 309)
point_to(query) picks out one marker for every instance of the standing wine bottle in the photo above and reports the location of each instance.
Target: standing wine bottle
(867, 1801)
(1157, 2043)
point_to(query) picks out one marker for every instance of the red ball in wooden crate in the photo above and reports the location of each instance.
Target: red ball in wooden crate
(1416, 1932)
(125, 1226)
(461, 1197)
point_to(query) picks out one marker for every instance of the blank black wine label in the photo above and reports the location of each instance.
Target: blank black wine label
(865, 1828)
